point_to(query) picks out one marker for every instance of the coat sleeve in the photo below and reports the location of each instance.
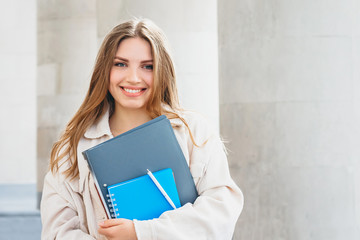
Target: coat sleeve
(60, 219)
(214, 213)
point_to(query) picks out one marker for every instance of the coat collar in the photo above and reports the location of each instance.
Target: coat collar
(99, 129)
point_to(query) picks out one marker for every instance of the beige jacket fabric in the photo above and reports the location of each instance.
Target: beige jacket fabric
(72, 209)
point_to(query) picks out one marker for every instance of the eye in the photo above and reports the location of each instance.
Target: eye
(148, 67)
(120, 64)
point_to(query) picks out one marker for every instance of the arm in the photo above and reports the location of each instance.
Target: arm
(59, 215)
(214, 213)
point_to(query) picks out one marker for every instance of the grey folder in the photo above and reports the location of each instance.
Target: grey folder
(152, 146)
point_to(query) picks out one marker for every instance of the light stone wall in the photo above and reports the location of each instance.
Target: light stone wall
(18, 91)
(290, 108)
(67, 50)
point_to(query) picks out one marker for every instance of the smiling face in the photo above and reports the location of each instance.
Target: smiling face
(131, 76)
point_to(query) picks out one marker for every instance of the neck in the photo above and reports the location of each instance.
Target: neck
(124, 120)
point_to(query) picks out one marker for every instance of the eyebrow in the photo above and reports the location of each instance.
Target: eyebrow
(126, 60)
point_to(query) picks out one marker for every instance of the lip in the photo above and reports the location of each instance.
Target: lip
(132, 94)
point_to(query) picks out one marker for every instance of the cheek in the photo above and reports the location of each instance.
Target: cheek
(113, 77)
(113, 82)
(149, 79)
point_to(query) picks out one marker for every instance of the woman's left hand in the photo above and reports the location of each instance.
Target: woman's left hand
(118, 229)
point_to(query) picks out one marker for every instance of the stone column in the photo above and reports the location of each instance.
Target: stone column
(289, 104)
(18, 92)
(67, 49)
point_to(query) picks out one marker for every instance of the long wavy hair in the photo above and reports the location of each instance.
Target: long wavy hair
(98, 98)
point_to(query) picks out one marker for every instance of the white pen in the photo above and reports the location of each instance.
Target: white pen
(158, 185)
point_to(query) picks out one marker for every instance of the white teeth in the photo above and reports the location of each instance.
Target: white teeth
(132, 90)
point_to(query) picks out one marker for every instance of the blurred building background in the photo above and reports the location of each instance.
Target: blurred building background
(280, 79)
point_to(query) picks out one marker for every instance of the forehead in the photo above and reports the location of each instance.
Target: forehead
(134, 48)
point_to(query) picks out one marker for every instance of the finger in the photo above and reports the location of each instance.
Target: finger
(107, 232)
(111, 222)
(103, 231)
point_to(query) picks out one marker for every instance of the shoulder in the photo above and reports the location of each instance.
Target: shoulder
(67, 173)
(59, 182)
(201, 127)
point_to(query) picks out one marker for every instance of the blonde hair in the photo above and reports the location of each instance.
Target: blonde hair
(98, 98)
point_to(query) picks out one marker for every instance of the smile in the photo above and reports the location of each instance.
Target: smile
(132, 92)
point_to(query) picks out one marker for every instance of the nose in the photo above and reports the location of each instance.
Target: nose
(133, 76)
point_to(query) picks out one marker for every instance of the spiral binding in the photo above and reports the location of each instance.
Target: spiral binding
(112, 206)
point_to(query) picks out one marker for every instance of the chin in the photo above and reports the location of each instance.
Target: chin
(133, 107)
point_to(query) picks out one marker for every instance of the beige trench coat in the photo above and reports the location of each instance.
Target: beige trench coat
(72, 209)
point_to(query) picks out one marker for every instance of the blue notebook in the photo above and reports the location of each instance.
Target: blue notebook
(153, 146)
(140, 199)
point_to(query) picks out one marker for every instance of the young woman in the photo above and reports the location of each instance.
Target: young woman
(133, 82)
